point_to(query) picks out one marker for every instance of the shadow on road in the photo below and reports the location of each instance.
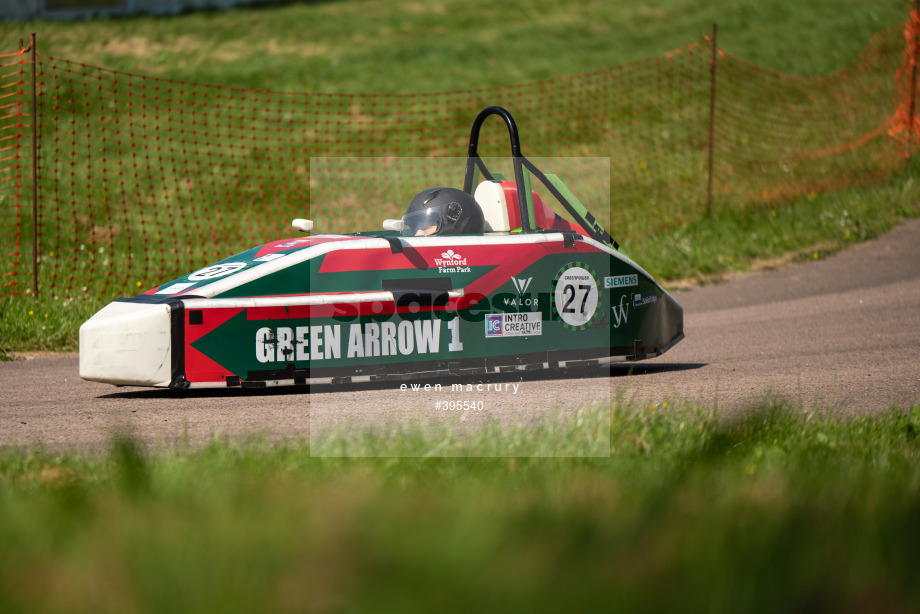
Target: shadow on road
(611, 371)
(623, 370)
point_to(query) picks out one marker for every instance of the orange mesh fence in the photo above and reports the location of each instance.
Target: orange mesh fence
(905, 126)
(780, 135)
(15, 172)
(143, 179)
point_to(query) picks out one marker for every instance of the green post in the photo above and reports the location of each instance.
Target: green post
(34, 172)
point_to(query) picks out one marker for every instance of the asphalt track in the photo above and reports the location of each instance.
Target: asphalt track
(839, 334)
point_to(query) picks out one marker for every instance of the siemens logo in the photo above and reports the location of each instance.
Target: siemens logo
(621, 281)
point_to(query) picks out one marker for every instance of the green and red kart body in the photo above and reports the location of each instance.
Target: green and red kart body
(382, 306)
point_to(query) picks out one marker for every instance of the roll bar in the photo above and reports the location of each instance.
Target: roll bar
(474, 163)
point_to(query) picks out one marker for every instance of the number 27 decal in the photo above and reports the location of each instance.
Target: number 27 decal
(575, 295)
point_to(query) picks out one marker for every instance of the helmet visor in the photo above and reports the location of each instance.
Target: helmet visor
(432, 221)
(422, 223)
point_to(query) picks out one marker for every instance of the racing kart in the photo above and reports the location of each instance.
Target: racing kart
(534, 290)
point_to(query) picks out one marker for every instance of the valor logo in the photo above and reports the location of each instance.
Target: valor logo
(521, 284)
(620, 312)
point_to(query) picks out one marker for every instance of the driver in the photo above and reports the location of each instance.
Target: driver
(442, 211)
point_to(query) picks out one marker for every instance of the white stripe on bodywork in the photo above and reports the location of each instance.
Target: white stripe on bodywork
(296, 300)
(273, 266)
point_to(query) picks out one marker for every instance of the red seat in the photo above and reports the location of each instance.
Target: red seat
(502, 213)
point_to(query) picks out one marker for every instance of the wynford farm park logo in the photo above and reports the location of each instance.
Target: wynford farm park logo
(450, 259)
(451, 262)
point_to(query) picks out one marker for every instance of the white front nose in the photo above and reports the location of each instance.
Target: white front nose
(127, 344)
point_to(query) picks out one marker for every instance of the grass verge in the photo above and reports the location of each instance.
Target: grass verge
(400, 46)
(781, 510)
(742, 237)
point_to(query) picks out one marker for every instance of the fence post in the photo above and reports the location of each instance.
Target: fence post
(30, 48)
(712, 115)
(34, 172)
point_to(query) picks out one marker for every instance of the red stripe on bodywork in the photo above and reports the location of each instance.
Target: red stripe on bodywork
(508, 260)
(382, 259)
(510, 267)
(424, 258)
(198, 367)
(300, 243)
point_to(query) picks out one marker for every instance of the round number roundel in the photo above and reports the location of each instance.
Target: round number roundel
(575, 295)
(216, 270)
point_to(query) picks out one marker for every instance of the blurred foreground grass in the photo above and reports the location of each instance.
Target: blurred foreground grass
(781, 510)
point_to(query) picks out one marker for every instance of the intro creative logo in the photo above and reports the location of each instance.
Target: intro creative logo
(493, 324)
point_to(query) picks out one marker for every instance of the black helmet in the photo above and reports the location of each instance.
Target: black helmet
(442, 211)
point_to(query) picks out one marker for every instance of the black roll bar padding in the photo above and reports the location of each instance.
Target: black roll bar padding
(509, 121)
(473, 160)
